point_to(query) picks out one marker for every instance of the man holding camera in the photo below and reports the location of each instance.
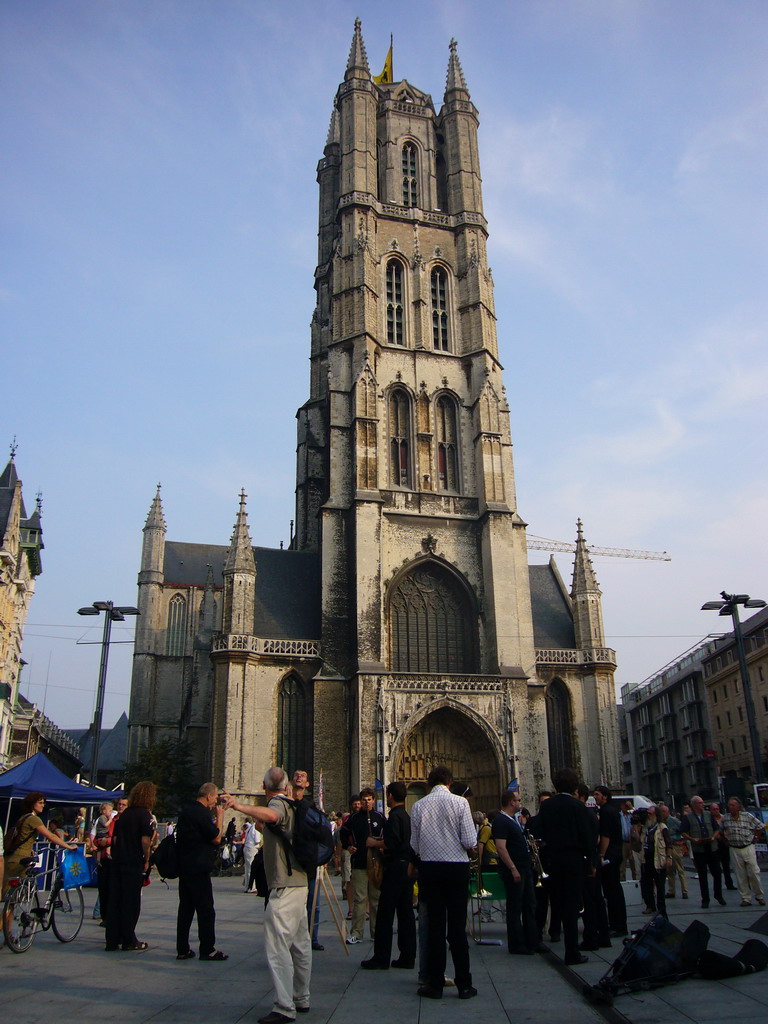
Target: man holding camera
(198, 834)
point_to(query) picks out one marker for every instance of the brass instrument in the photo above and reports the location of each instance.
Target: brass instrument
(534, 848)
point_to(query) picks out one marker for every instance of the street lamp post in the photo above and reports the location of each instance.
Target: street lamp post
(730, 606)
(112, 614)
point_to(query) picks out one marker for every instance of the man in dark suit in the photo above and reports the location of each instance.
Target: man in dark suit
(611, 854)
(564, 825)
(396, 899)
(516, 873)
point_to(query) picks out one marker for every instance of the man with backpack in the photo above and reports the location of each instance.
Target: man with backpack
(286, 936)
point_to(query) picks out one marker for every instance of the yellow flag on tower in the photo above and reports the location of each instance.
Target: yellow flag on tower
(386, 74)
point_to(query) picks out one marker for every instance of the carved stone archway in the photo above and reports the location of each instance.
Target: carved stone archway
(450, 737)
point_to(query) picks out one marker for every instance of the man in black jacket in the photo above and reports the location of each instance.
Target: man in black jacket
(396, 894)
(366, 824)
(198, 833)
(516, 873)
(564, 825)
(611, 855)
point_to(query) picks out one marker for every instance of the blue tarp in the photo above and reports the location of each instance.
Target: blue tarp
(38, 774)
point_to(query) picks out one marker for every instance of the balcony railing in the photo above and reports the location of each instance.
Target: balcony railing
(233, 642)
(585, 656)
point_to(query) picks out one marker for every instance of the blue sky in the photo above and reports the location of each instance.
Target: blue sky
(158, 205)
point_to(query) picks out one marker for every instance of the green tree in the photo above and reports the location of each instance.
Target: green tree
(169, 765)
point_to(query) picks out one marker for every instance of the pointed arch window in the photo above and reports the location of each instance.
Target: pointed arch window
(410, 179)
(439, 282)
(395, 323)
(559, 727)
(176, 632)
(447, 444)
(401, 454)
(292, 725)
(431, 623)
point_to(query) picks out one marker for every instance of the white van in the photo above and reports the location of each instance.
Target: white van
(638, 800)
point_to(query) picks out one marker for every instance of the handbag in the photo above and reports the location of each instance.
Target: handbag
(74, 869)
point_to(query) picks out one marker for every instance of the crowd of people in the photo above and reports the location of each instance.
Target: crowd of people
(564, 863)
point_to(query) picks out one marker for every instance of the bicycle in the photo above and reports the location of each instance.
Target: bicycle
(24, 916)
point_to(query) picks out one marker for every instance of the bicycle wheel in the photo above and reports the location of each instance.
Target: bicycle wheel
(19, 923)
(67, 914)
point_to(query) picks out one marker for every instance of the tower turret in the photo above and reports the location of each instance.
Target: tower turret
(151, 577)
(239, 577)
(586, 597)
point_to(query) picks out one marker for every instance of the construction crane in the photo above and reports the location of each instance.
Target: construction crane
(545, 544)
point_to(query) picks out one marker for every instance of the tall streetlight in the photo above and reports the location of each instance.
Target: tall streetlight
(113, 614)
(730, 606)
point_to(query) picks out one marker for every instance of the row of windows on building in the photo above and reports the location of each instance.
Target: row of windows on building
(401, 446)
(396, 319)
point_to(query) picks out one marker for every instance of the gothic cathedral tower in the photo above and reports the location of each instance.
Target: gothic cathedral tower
(405, 477)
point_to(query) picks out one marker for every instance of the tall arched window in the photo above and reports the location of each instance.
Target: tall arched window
(447, 444)
(292, 725)
(400, 438)
(395, 332)
(410, 180)
(431, 623)
(439, 279)
(559, 727)
(177, 626)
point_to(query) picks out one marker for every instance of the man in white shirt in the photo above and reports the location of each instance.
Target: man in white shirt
(251, 844)
(442, 835)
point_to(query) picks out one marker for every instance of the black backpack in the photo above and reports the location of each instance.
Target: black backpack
(312, 842)
(166, 858)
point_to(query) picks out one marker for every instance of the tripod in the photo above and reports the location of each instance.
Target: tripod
(322, 879)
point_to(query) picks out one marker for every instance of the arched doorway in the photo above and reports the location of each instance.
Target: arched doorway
(447, 736)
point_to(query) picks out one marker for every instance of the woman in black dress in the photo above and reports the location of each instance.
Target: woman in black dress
(131, 842)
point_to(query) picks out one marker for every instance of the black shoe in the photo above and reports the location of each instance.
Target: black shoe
(189, 955)
(274, 1018)
(467, 993)
(318, 947)
(427, 992)
(541, 947)
(731, 888)
(590, 947)
(373, 965)
(720, 900)
(405, 965)
(704, 904)
(572, 961)
(555, 937)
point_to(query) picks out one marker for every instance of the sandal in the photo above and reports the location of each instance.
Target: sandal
(140, 947)
(217, 955)
(189, 955)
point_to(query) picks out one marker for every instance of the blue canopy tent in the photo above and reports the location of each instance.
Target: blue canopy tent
(38, 774)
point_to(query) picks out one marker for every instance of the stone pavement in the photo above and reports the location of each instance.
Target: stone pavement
(81, 982)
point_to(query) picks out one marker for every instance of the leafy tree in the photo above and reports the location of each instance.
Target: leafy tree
(169, 764)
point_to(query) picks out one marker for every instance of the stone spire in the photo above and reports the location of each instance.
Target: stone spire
(454, 80)
(156, 519)
(584, 579)
(358, 58)
(153, 547)
(586, 597)
(240, 554)
(334, 133)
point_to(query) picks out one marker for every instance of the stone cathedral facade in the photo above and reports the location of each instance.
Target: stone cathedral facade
(404, 626)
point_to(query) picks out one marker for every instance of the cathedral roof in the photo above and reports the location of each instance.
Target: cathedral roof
(552, 615)
(287, 605)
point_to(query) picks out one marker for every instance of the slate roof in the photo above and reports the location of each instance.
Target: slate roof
(552, 616)
(287, 585)
(113, 745)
